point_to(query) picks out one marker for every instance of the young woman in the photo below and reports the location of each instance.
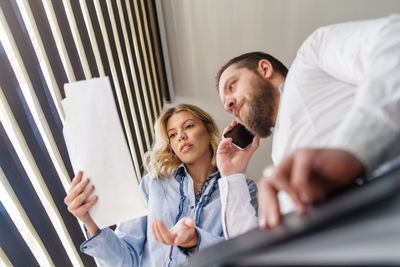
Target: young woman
(182, 193)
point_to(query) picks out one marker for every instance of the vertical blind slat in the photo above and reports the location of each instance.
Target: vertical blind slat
(99, 40)
(68, 39)
(37, 79)
(119, 86)
(159, 60)
(116, 38)
(4, 260)
(138, 72)
(49, 44)
(31, 134)
(138, 18)
(83, 32)
(11, 239)
(133, 73)
(139, 59)
(19, 182)
(151, 59)
(41, 54)
(128, 81)
(102, 48)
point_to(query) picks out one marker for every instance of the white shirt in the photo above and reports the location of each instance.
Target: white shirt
(342, 91)
(238, 214)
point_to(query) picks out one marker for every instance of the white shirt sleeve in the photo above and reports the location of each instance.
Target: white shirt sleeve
(238, 213)
(367, 55)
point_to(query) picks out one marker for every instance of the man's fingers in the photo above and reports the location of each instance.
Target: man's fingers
(226, 142)
(308, 182)
(282, 179)
(229, 127)
(254, 144)
(269, 204)
(302, 178)
(226, 147)
(269, 188)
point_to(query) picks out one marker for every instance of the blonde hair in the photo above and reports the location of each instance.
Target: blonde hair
(161, 160)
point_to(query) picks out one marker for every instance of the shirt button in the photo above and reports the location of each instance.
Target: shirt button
(192, 207)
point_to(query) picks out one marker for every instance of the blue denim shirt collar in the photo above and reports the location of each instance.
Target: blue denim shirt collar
(180, 175)
(181, 171)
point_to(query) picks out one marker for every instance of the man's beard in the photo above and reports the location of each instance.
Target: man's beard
(260, 118)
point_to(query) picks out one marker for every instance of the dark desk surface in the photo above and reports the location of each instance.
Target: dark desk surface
(358, 227)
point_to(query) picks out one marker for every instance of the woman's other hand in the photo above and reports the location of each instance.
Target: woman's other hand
(183, 234)
(78, 202)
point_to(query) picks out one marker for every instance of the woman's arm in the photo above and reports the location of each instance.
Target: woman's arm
(124, 246)
(120, 248)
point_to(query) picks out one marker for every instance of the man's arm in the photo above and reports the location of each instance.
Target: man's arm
(238, 214)
(239, 204)
(366, 54)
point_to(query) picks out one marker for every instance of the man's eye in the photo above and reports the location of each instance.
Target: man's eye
(231, 85)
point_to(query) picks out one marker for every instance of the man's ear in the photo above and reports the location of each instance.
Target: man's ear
(265, 68)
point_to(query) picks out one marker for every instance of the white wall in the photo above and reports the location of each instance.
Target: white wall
(203, 34)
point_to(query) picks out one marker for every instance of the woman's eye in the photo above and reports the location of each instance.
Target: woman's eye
(189, 126)
(172, 135)
(231, 85)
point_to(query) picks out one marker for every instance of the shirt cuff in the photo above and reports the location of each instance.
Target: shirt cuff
(235, 183)
(91, 246)
(238, 214)
(225, 184)
(206, 239)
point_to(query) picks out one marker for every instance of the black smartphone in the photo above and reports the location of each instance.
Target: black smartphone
(241, 137)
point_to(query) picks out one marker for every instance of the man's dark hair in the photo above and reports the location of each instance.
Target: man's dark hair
(250, 61)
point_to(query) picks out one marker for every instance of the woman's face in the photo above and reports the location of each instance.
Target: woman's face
(188, 137)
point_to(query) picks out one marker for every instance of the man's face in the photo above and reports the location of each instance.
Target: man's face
(249, 97)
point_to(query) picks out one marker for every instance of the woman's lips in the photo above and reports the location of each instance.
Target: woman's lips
(186, 147)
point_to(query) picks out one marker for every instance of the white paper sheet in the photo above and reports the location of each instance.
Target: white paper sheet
(96, 145)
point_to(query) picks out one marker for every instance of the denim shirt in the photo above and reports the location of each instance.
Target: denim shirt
(168, 199)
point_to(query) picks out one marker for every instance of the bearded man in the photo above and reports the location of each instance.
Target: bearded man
(335, 114)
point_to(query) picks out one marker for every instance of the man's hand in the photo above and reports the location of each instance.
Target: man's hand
(307, 175)
(182, 234)
(230, 159)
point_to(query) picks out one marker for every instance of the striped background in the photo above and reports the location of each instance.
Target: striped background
(44, 44)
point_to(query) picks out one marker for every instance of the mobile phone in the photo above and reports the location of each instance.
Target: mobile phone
(241, 137)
